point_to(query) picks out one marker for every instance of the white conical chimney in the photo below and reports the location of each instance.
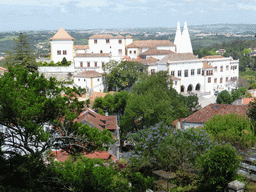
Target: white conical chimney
(186, 42)
(177, 40)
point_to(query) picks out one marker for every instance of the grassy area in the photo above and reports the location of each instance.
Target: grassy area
(8, 38)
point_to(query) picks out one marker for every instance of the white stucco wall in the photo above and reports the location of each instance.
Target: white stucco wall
(62, 45)
(131, 54)
(91, 84)
(171, 48)
(92, 61)
(186, 125)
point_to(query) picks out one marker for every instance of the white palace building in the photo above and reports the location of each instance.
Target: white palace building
(188, 72)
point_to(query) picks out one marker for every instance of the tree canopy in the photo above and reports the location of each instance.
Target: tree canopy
(152, 100)
(122, 76)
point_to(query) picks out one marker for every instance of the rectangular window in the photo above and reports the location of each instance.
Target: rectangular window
(221, 80)
(102, 64)
(59, 52)
(95, 41)
(120, 41)
(215, 80)
(95, 64)
(179, 73)
(215, 69)
(186, 73)
(198, 71)
(209, 79)
(202, 72)
(130, 52)
(107, 40)
(134, 52)
(81, 63)
(192, 71)
(172, 73)
(152, 71)
(176, 82)
(78, 79)
(120, 51)
(88, 64)
(221, 68)
(64, 52)
(226, 79)
(227, 68)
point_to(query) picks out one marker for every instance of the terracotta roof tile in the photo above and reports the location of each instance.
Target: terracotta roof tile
(149, 61)
(93, 55)
(246, 101)
(129, 37)
(99, 121)
(210, 110)
(213, 57)
(103, 36)
(174, 78)
(62, 34)
(89, 74)
(207, 66)
(98, 94)
(119, 37)
(81, 47)
(179, 57)
(2, 69)
(157, 52)
(150, 43)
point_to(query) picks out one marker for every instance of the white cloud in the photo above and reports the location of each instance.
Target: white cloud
(246, 7)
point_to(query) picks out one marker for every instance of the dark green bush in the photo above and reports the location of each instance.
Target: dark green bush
(219, 167)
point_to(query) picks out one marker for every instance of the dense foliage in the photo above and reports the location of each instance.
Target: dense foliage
(122, 75)
(224, 97)
(153, 100)
(219, 167)
(237, 130)
(52, 64)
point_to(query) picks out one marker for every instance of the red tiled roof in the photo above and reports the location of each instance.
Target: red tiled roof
(157, 52)
(81, 47)
(207, 66)
(246, 101)
(62, 34)
(62, 155)
(149, 61)
(129, 37)
(179, 57)
(89, 74)
(119, 37)
(210, 110)
(150, 43)
(174, 78)
(103, 36)
(93, 55)
(213, 57)
(99, 121)
(2, 69)
(98, 94)
(102, 154)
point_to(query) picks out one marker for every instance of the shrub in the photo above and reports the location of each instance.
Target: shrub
(237, 130)
(219, 167)
(224, 98)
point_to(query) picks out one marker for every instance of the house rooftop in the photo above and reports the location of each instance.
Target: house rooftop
(179, 57)
(62, 34)
(150, 43)
(213, 57)
(2, 69)
(93, 55)
(89, 74)
(207, 66)
(154, 51)
(102, 36)
(210, 110)
(83, 47)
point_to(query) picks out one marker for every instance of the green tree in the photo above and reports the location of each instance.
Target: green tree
(29, 102)
(219, 167)
(224, 97)
(237, 130)
(122, 76)
(22, 54)
(64, 61)
(152, 100)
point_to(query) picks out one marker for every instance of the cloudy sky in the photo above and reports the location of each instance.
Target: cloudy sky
(94, 14)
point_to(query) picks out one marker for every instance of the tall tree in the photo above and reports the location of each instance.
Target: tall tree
(122, 76)
(152, 100)
(22, 54)
(30, 104)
